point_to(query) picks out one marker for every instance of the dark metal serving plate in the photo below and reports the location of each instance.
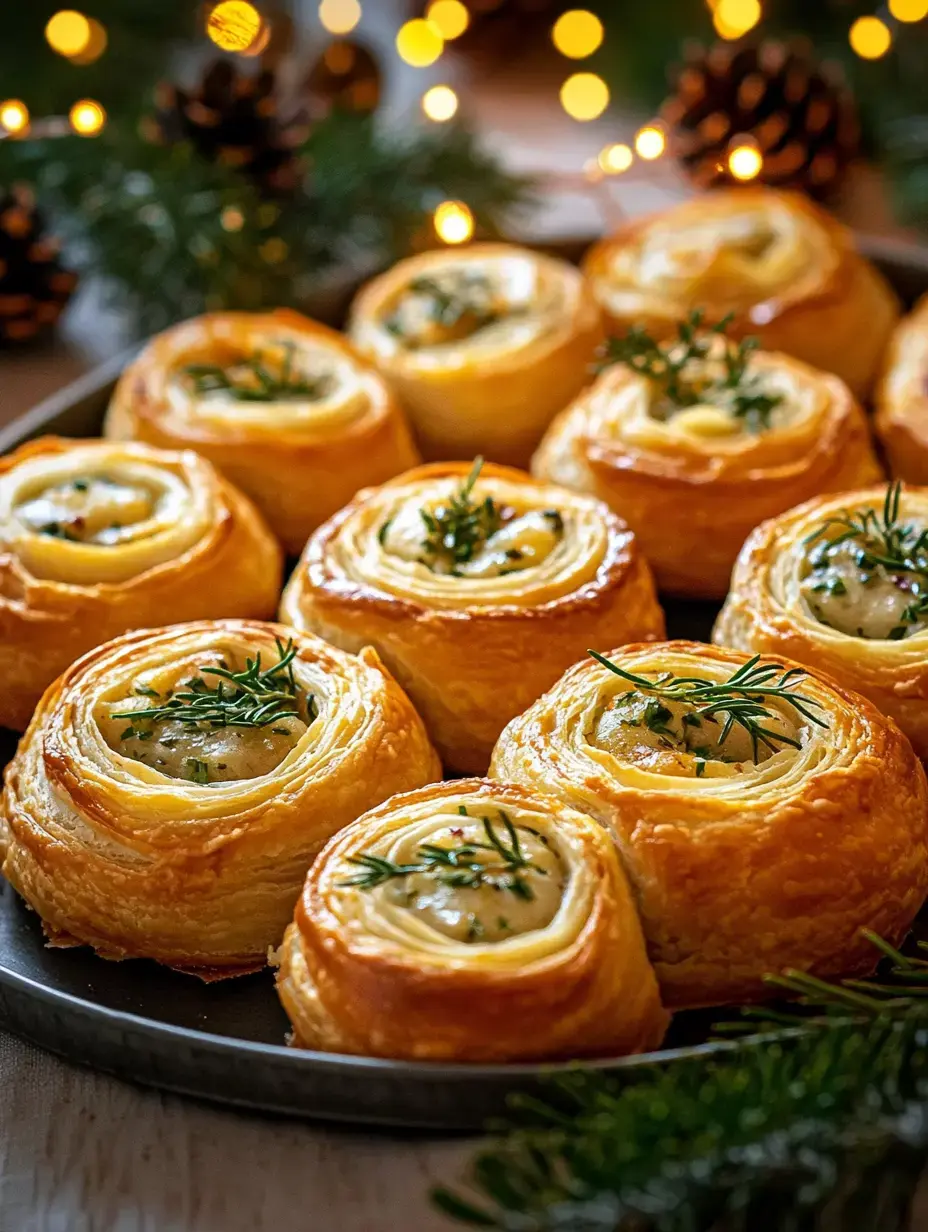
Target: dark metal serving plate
(224, 1041)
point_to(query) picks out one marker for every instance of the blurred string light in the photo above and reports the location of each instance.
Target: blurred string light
(744, 159)
(453, 222)
(870, 37)
(419, 42)
(232, 218)
(87, 117)
(274, 250)
(234, 25)
(68, 32)
(440, 103)
(577, 33)
(339, 16)
(908, 10)
(650, 142)
(449, 17)
(14, 116)
(95, 47)
(733, 18)
(584, 96)
(614, 159)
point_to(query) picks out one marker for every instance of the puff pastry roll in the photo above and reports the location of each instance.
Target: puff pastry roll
(483, 344)
(470, 921)
(477, 587)
(175, 784)
(763, 815)
(694, 456)
(902, 398)
(786, 269)
(283, 406)
(841, 584)
(97, 538)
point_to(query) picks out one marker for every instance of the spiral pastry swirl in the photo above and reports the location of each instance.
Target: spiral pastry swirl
(902, 398)
(283, 406)
(743, 859)
(97, 538)
(528, 948)
(473, 641)
(784, 267)
(692, 485)
(484, 345)
(133, 827)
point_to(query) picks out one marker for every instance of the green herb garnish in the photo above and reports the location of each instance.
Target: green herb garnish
(457, 531)
(255, 382)
(197, 771)
(464, 297)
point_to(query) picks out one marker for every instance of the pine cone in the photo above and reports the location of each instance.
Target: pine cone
(800, 114)
(34, 287)
(232, 118)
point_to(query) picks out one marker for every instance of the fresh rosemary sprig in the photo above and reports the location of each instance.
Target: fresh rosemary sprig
(457, 531)
(458, 865)
(257, 383)
(467, 296)
(680, 369)
(254, 697)
(738, 701)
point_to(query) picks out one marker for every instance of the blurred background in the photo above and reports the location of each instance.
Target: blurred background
(163, 157)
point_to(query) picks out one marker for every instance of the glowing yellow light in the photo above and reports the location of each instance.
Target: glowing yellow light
(454, 223)
(14, 115)
(650, 142)
(614, 159)
(732, 18)
(870, 37)
(584, 96)
(233, 25)
(908, 10)
(68, 32)
(87, 117)
(419, 43)
(339, 16)
(449, 17)
(274, 250)
(439, 103)
(232, 218)
(745, 162)
(577, 33)
(96, 45)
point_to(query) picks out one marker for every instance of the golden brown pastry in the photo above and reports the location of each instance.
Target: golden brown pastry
(484, 345)
(477, 587)
(282, 405)
(175, 784)
(470, 921)
(98, 537)
(763, 815)
(902, 398)
(693, 457)
(786, 269)
(841, 584)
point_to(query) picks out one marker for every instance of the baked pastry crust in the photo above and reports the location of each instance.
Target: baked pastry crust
(785, 268)
(748, 870)
(493, 391)
(122, 856)
(766, 611)
(192, 546)
(362, 973)
(901, 398)
(472, 651)
(298, 459)
(690, 494)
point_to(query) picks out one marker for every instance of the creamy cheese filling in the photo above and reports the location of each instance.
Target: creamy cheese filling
(88, 509)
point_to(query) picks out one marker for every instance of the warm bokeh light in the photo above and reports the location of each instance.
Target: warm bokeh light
(14, 116)
(96, 45)
(732, 18)
(232, 218)
(274, 250)
(454, 223)
(449, 17)
(87, 117)
(908, 10)
(650, 142)
(234, 25)
(870, 37)
(439, 103)
(339, 16)
(68, 32)
(745, 162)
(419, 43)
(584, 96)
(577, 33)
(614, 159)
